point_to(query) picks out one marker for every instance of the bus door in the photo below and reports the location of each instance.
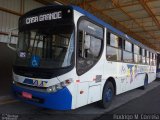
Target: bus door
(89, 65)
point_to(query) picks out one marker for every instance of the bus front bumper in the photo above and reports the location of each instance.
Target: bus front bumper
(60, 100)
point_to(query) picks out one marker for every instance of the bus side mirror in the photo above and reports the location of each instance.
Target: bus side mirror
(10, 40)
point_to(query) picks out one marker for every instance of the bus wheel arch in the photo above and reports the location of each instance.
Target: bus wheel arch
(109, 91)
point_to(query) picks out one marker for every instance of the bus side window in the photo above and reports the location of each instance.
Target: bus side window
(147, 57)
(89, 45)
(154, 57)
(114, 46)
(151, 58)
(128, 52)
(140, 53)
(137, 54)
(143, 56)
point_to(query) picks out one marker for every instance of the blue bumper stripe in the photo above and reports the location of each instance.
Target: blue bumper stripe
(60, 100)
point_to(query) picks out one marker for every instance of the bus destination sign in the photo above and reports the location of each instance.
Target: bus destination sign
(44, 17)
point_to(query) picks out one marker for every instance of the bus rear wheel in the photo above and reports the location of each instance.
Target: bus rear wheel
(145, 82)
(108, 95)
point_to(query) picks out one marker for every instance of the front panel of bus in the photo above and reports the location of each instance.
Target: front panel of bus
(45, 51)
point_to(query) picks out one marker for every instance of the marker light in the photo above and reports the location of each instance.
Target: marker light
(13, 82)
(59, 86)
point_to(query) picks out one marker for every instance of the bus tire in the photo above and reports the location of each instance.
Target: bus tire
(108, 95)
(145, 82)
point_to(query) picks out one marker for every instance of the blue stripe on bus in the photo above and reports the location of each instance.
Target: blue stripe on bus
(60, 100)
(92, 17)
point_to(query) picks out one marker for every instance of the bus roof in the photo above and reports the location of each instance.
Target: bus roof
(92, 17)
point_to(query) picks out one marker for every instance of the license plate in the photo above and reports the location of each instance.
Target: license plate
(27, 95)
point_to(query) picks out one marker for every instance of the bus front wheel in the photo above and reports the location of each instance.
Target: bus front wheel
(108, 94)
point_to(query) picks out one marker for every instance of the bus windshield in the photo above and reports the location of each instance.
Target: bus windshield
(45, 49)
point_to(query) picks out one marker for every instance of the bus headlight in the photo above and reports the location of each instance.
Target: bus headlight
(59, 86)
(51, 89)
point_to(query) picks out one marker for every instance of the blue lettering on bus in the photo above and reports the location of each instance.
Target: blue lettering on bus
(37, 83)
(28, 81)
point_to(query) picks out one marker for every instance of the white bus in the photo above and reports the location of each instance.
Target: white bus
(68, 58)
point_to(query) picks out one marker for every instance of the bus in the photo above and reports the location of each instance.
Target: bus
(158, 65)
(67, 58)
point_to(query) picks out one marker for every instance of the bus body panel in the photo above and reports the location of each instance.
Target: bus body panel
(87, 84)
(128, 76)
(88, 87)
(73, 86)
(35, 81)
(60, 100)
